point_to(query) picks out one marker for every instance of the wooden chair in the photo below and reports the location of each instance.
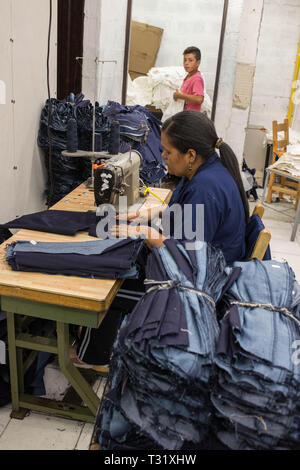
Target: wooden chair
(285, 186)
(264, 236)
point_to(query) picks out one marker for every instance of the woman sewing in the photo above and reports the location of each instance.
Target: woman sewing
(189, 141)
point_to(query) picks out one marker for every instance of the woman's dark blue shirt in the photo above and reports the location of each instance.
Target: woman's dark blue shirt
(224, 216)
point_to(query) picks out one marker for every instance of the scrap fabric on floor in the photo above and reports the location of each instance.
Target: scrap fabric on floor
(187, 374)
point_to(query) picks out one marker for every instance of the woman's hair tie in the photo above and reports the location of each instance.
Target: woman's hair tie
(219, 143)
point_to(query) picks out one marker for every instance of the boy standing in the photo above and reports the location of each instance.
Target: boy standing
(192, 88)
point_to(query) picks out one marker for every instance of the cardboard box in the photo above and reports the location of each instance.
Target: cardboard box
(134, 75)
(144, 46)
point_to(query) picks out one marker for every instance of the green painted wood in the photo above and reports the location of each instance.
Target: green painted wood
(51, 311)
(20, 369)
(20, 414)
(75, 378)
(29, 360)
(71, 396)
(13, 363)
(57, 408)
(36, 343)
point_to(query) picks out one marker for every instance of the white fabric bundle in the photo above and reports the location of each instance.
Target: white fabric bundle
(157, 89)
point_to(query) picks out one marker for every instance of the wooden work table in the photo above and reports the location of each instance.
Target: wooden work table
(63, 299)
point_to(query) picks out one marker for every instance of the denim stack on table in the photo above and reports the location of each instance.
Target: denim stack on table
(162, 362)
(104, 259)
(256, 395)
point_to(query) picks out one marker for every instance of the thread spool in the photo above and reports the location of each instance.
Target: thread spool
(72, 137)
(114, 138)
(98, 142)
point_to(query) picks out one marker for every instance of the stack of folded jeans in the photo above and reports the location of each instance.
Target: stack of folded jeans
(162, 362)
(139, 129)
(142, 129)
(65, 173)
(256, 394)
(104, 259)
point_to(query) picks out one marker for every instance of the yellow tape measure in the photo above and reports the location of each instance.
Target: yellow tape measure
(147, 190)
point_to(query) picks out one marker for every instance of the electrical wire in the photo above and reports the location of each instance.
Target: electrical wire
(49, 113)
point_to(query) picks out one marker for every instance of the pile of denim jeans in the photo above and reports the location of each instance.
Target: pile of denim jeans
(162, 362)
(64, 173)
(139, 129)
(148, 145)
(186, 374)
(105, 259)
(256, 395)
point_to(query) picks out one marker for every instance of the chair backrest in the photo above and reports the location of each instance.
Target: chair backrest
(257, 236)
(279, 145)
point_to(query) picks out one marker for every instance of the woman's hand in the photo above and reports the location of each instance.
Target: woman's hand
(152, 236)
(140, 216)
(128, 215)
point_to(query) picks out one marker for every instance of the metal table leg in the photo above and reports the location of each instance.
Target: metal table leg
(296, 222)
(265, 185)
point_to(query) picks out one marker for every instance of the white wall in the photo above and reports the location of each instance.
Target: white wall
(23, 54)
(104, 38)
(245, 61)
(276, 57)
(227, 75)
(185, 23)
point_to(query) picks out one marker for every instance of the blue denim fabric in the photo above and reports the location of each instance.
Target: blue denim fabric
(108, 259)
(160, 385)
(257, 389)
(139, 129)
(83, 248)
(235, 378)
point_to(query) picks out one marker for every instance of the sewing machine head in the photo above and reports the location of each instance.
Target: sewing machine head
(119, 176)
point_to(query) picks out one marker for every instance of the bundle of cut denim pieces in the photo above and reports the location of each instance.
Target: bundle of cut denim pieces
(256, 396)
(162, 363)
(195, 366)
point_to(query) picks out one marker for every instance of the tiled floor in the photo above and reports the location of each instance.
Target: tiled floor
(41, 432)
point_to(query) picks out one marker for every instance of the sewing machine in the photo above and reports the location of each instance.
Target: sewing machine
(118, 176)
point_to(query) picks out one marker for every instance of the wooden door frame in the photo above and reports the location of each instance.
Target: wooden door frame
(70, 30)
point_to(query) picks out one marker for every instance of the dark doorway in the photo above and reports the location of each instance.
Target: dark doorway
(70, 27)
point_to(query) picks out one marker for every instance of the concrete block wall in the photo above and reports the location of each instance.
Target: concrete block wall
(104, 38)
(227, 76)
(276, 57)
(246, 54)
(272, 51)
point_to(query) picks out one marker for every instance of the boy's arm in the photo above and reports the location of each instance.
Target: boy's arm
(198, 99)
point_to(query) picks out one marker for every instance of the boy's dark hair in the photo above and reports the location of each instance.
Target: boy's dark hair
(193, 50)
(191, 129)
